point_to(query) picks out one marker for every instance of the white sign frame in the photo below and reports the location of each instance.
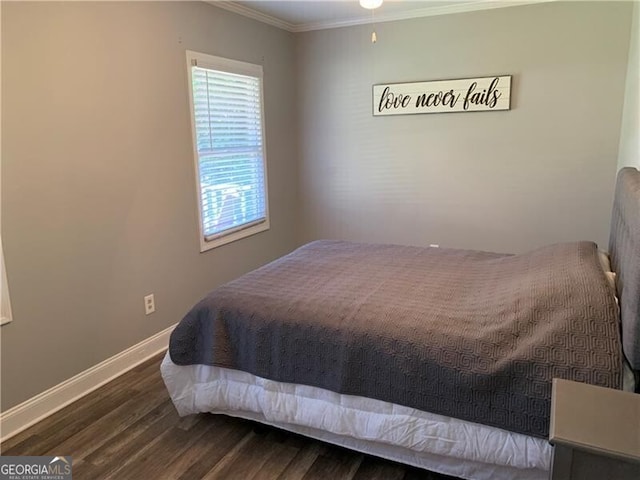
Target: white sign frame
(443, 96)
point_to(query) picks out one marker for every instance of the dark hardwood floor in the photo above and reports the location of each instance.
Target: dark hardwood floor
(129, 429)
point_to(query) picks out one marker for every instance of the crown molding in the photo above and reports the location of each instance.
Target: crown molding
(471, 6)
(253, 14)
(462, 7)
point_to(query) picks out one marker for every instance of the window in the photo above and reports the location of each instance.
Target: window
(5, 303)
(228, 135)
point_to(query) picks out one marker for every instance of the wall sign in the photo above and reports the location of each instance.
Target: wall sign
(441, 96)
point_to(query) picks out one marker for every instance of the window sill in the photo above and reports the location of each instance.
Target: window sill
(232, 237)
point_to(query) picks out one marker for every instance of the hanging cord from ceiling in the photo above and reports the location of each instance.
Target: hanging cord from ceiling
(374, 37)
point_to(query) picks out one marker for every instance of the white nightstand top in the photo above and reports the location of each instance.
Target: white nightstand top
(595, 419)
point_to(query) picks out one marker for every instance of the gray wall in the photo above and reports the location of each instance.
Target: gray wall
(98, 192)
(629, 154)
(503, 181)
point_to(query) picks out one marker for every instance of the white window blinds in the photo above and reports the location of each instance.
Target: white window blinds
(229, 147)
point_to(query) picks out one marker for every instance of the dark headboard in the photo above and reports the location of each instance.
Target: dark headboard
(624, 249)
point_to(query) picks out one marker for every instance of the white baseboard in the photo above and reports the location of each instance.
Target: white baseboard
(22, 416)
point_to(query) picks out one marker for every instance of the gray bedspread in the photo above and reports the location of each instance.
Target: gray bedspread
(472, 335)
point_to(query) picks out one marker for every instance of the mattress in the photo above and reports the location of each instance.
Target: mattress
(438, 443)
(441, 444)
(466, 334)
(435, 442)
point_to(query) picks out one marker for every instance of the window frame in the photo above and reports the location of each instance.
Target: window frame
(5, 301)
(226, 65)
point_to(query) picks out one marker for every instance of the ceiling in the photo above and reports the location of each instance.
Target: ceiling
(304, 15)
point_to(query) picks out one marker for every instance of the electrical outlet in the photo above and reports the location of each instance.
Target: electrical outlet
(149, 304)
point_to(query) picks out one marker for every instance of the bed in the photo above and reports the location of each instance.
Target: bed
(437, 358)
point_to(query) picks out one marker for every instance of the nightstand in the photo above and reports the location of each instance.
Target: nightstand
(595, 432)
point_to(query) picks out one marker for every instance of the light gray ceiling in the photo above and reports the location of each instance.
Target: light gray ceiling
(302, 15)
(303, 12)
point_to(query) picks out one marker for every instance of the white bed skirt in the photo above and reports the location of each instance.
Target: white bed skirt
(434, 442)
